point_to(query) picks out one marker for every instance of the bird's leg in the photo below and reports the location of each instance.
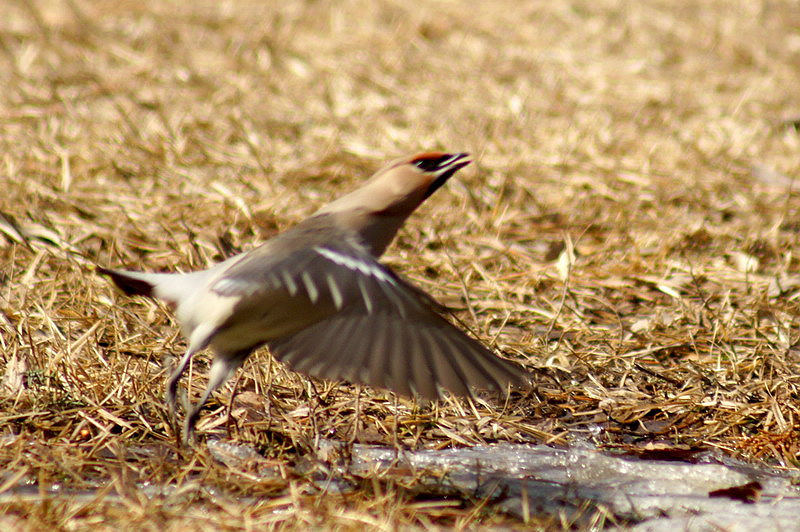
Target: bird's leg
(397, 448)
(221, 369)
(313, 412)
(229, 413)
(356, 417)
(172, 385)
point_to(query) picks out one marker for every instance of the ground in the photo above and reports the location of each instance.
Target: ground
(628, 233)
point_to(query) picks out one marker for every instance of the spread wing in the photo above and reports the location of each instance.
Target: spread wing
(343, 315)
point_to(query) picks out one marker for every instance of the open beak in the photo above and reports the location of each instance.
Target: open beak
(446, 169)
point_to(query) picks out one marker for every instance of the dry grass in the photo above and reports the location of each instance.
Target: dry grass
(629, 232)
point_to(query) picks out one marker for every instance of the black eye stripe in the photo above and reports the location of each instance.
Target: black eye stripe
(430, 164)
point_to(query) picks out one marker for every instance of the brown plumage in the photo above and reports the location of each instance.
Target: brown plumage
(317, 296)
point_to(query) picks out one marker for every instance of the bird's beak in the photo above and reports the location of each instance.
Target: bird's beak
(446, 169)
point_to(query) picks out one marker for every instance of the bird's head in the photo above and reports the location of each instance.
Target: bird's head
(379, 207)
(404, 184)
(432, 170)
(418, 176)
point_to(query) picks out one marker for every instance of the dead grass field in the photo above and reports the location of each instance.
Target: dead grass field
(629, 233)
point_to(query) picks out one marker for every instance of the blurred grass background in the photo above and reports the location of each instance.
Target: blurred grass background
(628, 232)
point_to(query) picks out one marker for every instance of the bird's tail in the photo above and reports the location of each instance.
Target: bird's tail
(132, 283)
(173, 288)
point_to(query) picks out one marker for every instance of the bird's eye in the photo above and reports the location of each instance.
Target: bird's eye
(430, 164)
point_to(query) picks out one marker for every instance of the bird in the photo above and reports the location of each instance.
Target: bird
(317, 296)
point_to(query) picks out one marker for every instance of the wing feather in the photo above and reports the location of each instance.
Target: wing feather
(448, 371)
(331, 310)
